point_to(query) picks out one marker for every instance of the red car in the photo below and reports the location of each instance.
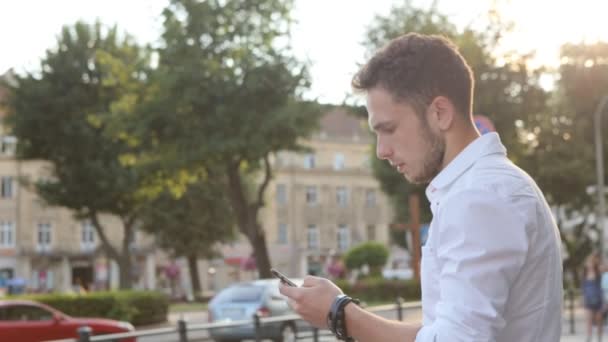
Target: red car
(27, 321)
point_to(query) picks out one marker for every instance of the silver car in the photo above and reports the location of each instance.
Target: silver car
(241, 301)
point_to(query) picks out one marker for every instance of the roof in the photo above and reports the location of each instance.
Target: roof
(340, 124)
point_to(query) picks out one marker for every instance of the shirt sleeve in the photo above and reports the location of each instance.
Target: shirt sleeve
(480, 248)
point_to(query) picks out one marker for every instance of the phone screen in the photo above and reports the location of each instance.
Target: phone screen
(282, 277)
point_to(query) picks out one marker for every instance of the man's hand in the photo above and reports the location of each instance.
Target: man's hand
(312, 300)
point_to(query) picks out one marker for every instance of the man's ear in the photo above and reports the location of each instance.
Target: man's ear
(442, 113)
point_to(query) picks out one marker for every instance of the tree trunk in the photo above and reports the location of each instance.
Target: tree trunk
(194, 276)
(262, 261)
(127, 268)
(125, 276)
(247, 216)
(122, 258)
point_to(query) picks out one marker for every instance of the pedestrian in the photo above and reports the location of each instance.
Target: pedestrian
(592, 295)
(491, 267)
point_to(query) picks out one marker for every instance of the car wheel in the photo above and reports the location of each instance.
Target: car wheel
(288, 333)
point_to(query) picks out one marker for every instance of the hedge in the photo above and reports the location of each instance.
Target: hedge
(380, 289)
(137, 307)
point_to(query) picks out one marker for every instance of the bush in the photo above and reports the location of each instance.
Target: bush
(382, 290)
(373, 254)
(137, 307)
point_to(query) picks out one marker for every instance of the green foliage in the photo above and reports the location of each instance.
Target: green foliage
(560, 147)
(191, 225)
(136, 307)
(373, 254)
(383, 290)
(227, 96)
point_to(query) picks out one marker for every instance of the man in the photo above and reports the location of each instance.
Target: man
(491, 267)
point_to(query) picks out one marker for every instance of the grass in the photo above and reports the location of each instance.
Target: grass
(187, 307)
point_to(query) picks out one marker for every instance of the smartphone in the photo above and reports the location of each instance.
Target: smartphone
(282, 277)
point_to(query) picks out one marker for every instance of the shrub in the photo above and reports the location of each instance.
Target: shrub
(382, 290)
(373, 254)
(137, 307)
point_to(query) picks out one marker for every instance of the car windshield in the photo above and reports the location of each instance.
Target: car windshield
(240, 294)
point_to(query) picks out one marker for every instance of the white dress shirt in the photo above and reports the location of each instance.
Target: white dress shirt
(491, 266)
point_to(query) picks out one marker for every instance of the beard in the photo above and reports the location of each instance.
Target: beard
(433, 160)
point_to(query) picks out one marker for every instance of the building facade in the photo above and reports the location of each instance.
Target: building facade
(318, 204)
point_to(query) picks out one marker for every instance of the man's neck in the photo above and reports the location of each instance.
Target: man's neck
(457, 143)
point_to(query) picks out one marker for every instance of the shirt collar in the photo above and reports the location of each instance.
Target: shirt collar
(484, 145)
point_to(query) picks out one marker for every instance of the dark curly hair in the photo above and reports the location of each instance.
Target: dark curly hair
(417, 68)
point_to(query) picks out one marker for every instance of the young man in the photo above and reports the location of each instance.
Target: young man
(491, 267)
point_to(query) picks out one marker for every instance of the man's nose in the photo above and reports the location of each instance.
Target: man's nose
(382, 151)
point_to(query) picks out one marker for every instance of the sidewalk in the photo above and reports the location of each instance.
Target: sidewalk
(580, 327)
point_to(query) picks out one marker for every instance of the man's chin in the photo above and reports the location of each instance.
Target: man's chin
(416, 180)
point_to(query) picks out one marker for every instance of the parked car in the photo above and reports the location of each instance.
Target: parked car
(29, 321)
(241, 301)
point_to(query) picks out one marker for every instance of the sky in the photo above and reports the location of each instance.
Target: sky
(328, 33)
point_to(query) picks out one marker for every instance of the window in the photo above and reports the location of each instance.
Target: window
(309, 161)
(87, 236)
(370, 198)
(313, 237)
(371, 232)
(25, 313)
(7, 234)
(7, 145)
(282, 234)
(343, 237)
(339, 161)
(311, 194)
(342, 196)
(44, 236)
(281, 194)
(6, 190)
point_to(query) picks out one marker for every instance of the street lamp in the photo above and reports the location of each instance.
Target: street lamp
(599, 160)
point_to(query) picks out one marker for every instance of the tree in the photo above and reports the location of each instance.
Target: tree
(372, 254)
(192, 224)
(228, 95)
(57, 115)
(506, 93)
(558, 145)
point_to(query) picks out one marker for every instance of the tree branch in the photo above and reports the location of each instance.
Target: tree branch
(265, 182)
(102, 236)
(237, 197)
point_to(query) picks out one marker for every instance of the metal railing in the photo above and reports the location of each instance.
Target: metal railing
(183, 328)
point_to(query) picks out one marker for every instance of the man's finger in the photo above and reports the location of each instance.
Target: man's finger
(288, 291)
(310, 281)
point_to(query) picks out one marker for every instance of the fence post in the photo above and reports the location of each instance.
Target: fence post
(257, 327)
(399, 309)
(315, 334)
(571, 307)
(84, 334)
(182, 329)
